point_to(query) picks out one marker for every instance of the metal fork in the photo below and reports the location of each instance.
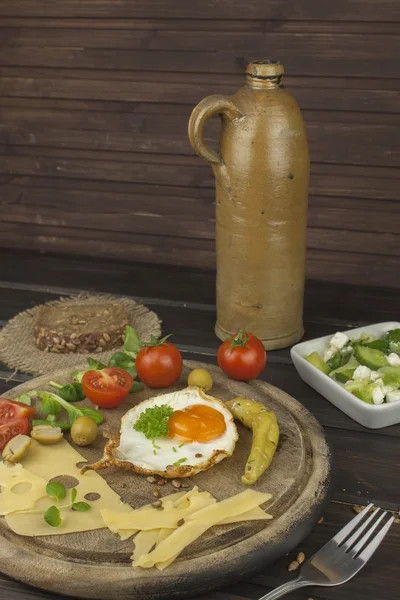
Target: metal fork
(343, 556)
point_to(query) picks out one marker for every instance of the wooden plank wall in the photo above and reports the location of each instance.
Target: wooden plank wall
(95, 99)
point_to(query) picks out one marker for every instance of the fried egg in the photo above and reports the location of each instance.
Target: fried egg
(201, 433)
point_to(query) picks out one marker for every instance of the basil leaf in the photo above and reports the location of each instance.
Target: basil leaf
(52, 516)
(123, 361)
(56, 490)
(81, 506)
(73, 495)
(132, 343)
(94, 414)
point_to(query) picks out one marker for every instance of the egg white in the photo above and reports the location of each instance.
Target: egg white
(140, 451)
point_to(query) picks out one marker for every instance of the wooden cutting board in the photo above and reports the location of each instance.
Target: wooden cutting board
(96, 564)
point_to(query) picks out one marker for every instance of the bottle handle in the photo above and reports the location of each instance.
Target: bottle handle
(207, 108)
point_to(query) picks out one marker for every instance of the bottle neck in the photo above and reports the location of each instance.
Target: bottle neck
(264, 74)
(269, 82)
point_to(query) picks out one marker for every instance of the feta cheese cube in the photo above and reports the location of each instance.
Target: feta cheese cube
(374, 376)
(393, 396)
(339, 340)
(394, 360)
(378, 395)
(329, 352)
(362, 373)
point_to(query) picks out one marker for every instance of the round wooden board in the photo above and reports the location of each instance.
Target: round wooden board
(96, 564)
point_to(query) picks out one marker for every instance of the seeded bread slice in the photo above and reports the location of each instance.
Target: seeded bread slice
(81, 328)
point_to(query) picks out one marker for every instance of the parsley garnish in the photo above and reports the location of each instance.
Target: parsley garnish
(153, 422)
(174, 449)
(180, 445)
(179, 462)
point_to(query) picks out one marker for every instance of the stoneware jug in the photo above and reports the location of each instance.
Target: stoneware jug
(261, 172)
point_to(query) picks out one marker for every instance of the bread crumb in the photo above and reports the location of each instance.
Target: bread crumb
(321, 521)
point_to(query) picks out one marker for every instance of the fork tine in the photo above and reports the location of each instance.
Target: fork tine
(374, 541)
(348, 529)
(357, 534)
(361, 541)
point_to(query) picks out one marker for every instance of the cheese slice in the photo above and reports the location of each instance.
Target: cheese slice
(20, 488)
(48, 462)
(125, 534)
(197, 523)
(153, 518)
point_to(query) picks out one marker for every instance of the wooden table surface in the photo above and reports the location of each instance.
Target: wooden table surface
(367, 461)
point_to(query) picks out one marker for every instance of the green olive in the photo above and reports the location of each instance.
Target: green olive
(200, 378)
(84, 431)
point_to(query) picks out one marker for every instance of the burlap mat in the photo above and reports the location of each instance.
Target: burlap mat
(17, 345)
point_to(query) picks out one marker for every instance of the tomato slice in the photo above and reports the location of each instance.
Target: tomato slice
(11, 410)
(108, 387)
(11, 429)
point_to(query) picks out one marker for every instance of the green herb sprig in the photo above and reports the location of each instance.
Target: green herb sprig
(153, 422)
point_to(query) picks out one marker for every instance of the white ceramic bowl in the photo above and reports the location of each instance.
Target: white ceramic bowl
(369, 415)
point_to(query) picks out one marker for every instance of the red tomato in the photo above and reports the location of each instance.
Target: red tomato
(159, 365)
(11, 410)
(242, 357)
(11, 429)
(108, 387)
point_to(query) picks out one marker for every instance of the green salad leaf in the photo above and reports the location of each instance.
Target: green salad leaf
(132, 343)
(56, 490)
(80, 506)
(25, 398)
(73, 411)
(49, 406)
(52, 516)
(71, 392)
(123, 361)
(94, 414)
(61, 424)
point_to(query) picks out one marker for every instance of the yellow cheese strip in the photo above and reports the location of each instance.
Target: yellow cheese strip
(255, 514)
(13, 478)
(197, 523)
(152, 518)
(125, 534)
(251, 515)
(48, 462)
(145, 540)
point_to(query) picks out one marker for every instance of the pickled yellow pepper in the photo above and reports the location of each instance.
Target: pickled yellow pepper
(265, 432)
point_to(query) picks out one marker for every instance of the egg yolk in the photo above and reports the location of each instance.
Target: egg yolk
(197, 423)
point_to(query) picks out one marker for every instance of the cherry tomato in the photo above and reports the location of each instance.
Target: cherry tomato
(242, 356)
(108, 387)
(11, 410)
(12, 428)
(159, 364)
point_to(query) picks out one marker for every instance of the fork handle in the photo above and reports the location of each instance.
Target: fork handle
(286, 588)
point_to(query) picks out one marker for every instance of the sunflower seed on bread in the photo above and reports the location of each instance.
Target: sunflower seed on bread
(80, 328)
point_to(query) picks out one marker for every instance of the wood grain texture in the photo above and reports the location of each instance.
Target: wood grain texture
(342, 10)
(95, 103)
